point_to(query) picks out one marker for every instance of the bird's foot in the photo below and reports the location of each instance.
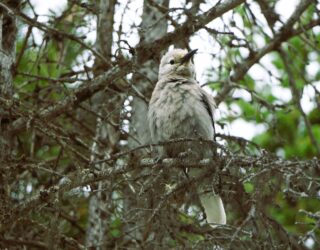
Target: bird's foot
(157, 160)
(183, 155)
(187, 154)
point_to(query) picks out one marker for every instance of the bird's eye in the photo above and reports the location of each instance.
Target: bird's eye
(171, 62)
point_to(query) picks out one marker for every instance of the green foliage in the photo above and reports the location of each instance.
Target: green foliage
(286, 131)
(115, 228)
(45, 155)
(287, 212)
(248, 187)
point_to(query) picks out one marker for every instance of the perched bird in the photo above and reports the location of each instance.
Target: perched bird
(179, 108)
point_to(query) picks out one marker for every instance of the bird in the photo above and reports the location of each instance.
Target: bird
(180, 108)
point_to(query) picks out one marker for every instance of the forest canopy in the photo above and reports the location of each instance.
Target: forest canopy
(77, 166)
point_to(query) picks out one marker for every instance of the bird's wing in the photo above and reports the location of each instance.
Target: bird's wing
(209, 104)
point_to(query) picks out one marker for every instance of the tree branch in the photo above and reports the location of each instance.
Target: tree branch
(285, 33)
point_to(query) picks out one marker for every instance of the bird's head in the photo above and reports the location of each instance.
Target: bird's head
(177, 62)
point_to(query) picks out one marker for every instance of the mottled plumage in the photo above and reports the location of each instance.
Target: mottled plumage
(179, 108)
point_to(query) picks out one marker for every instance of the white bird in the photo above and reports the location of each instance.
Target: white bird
(179, 108)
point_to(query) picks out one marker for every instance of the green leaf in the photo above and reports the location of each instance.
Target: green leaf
(248, 187)
(116, 233)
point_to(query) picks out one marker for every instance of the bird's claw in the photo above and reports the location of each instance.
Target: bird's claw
(157, 160)
(186, 154)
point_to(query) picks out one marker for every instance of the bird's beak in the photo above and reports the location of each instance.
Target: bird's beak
(188, 56)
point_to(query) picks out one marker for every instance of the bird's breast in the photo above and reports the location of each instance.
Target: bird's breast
(173, 112)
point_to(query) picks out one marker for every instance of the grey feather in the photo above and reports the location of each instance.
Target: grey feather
(179, 108)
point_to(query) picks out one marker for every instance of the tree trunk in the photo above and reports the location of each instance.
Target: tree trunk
(145, 80)
(154, 25)
(107, 130)
(8, 32)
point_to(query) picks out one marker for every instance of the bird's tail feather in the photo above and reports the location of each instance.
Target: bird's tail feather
(213, 208)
